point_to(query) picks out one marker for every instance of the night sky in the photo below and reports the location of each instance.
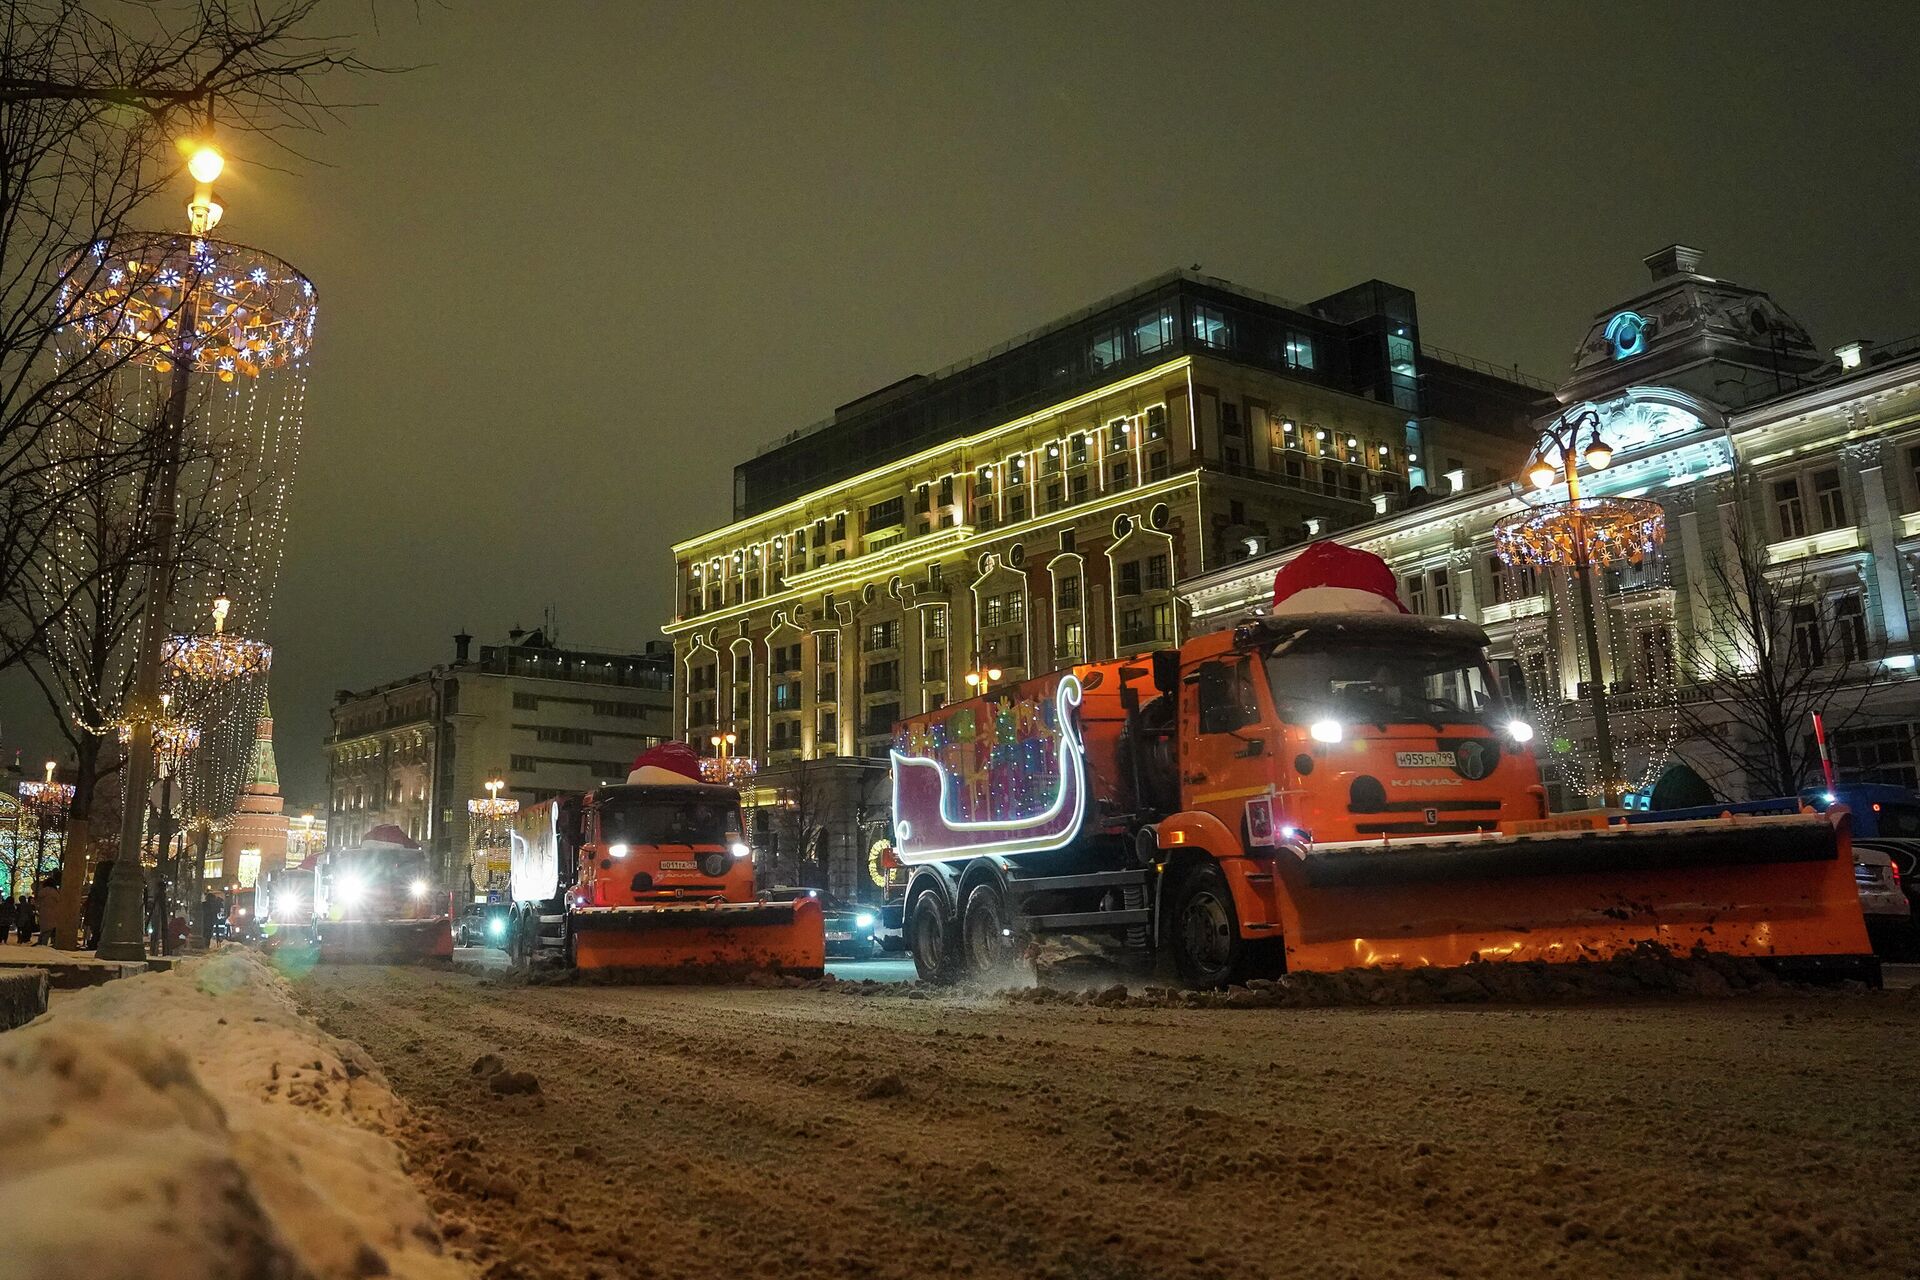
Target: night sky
(587, 256)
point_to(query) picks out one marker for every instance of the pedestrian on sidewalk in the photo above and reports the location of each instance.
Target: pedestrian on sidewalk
(27, 920)
(6, 918)
(95, 906)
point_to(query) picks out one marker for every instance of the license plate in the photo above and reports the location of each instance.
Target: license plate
(1424, 759)
(679, 866)
(839, 937)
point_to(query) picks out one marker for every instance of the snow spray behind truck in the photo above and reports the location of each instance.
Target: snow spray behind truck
(653, 877)
(1336, 785)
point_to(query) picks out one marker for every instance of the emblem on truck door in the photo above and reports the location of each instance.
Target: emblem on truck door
(927, 821)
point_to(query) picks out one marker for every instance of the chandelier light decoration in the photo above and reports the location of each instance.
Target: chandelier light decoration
(216, 656)
(242, 323)
(1613, 531)
(724, 767)
(493, 809)
(48, 800)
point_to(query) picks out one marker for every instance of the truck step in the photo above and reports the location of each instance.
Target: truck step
(1087, 920)
(1091, 880)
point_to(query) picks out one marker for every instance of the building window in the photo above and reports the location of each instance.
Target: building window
(1157, 465)
(1077, 489)
(1017, 507)
(881, 717)
(992, 612)
(1133, 626)
(1109, 348)
(1153, 331)
(1157, 579)
(787, 657)
(1017, 650)
(1415, 585)
(886, 515)
(936, 670)
(786, 696)
(1053, 496)
(1072, 641)
(1210, 328)
(1882, 753)
(883, 677)
(1120, 473)
(1913, 472)
(946, 491)
(1130, 578)
(827, 740)
(1788, 515)
(1850, 627)
(1069, 590)
(829, 686)
(742, 665)
(829, 645)
(1016, 606)
(923, 499)
(936, 624)
(936, 577)
(1077, 449)
(1163, 623)
(1831, 498)
(983, 518)
(1655, 644)
(883, 635)
(1299, 350)
(1809, 646)
(1442, 593)
(840, 527)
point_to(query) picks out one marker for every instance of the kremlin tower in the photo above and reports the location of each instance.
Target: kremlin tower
(258, 824)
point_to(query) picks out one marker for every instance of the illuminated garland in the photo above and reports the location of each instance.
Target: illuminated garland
(731, 771)
(1612, 529)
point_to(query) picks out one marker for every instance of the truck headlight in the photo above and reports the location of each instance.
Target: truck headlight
(1325, 731)
(418, 888)
(351, 891)
(740, 849)
(864, 920)
(496, 926)
(1520, 731)
(618, 850)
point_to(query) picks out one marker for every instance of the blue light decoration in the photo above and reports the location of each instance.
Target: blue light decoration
(1016, 784)
(1627, 334)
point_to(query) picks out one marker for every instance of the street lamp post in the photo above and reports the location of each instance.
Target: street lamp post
(981, 679)
(1580, 533)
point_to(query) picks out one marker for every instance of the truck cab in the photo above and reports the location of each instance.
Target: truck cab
(1348, 726)
(640, 844)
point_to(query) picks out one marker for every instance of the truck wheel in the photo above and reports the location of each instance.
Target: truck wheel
(986, 932)
(933, 942)
(1203, 929)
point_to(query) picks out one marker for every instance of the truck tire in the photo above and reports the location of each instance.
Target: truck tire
(988, 943)
(934, 941)
(1203, 929)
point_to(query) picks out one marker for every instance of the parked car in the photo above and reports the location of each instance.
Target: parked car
(853, 928)
(1895, 935)
(481, 924)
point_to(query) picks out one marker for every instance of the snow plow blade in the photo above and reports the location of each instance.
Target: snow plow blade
(385, 941)
(1775, 889)
(702, 942)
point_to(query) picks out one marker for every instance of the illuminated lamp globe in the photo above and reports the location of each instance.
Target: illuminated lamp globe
(206, 164)
(1599, 454)
(1541, 474)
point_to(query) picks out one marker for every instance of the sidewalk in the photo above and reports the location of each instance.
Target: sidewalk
(71, 970)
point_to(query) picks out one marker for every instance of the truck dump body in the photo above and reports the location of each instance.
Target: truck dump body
(1325, 792)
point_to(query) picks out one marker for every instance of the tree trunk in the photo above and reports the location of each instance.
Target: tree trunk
(75, 865)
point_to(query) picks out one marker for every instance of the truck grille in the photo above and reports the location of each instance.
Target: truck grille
(1444, 827)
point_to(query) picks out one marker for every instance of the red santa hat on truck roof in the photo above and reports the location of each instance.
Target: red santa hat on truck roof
(1330, 578)
(387, 833)
(669, 764)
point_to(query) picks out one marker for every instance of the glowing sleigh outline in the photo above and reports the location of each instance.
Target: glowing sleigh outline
(922, 785)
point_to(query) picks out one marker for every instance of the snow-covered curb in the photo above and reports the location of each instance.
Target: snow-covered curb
(196, 1123)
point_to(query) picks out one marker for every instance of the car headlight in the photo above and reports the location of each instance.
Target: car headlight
(864, 920)
(496, 926)
(1325, 730)
(1520, 731)
(418, 888)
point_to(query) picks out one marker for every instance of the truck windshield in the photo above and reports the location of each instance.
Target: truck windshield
(669, 821)
(1369, 681)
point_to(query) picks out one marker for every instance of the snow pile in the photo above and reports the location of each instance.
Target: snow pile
(193, 1124)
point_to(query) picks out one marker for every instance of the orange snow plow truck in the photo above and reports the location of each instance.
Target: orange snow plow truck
(1332, 786)
(653, 879)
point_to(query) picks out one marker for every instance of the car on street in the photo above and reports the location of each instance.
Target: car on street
(853, 928)
(481, 924)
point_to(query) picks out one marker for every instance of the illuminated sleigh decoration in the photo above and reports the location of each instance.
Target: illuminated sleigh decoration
(926, 830)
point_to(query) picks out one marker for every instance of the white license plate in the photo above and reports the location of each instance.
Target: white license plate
(679, 866)
(839, 937)
(1424, 759)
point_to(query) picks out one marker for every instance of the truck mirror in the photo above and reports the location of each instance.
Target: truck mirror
(1166, 669)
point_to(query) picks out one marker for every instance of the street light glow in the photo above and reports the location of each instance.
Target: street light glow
(1599, 453)
(206, 165)
(1541, 473)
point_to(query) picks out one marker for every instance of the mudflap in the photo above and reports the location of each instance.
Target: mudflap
(1778, 889)
(700, 942)
(385, 941)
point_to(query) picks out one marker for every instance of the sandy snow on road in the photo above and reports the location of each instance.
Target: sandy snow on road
(195, 1124)
(730, 1133)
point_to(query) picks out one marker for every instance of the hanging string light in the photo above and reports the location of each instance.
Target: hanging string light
(217, 655)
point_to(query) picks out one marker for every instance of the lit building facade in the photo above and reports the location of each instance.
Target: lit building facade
(1041, 504)
(1718, 406)
(548, 720)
